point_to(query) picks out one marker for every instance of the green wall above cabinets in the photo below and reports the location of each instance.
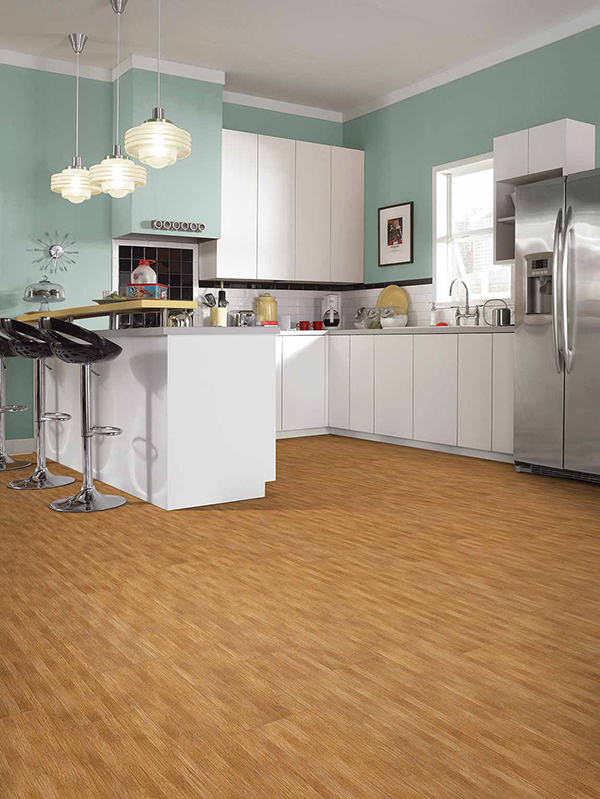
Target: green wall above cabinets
(189, 190)
(285, 126)
(402, 142)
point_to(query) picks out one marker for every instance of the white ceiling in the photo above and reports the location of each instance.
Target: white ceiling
(333, 54)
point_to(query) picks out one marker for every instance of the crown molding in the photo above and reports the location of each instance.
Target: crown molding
(169, 68)
(14, 59)
(550, 36)
(282, 107)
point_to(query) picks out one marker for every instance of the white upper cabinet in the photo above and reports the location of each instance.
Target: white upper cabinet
(394, 386)
(565, 144)
(435, 388)
(511, 155)
(475, 391)
(347, 215)
(276, 208)
(313, 212)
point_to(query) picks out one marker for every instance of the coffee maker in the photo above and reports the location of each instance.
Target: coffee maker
(331, 306)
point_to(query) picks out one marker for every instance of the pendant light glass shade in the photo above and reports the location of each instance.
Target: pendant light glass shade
(117, 175)
(158, 142)
(73, 183)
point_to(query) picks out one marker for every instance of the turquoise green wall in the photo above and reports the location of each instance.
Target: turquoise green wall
(404, 141)
(189, 190)
(37, 136)
(286, 126)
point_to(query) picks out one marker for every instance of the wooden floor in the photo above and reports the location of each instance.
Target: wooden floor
(386, 623)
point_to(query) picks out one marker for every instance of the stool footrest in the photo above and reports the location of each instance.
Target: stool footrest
(55, 416)
(105, 430)
(13, 408)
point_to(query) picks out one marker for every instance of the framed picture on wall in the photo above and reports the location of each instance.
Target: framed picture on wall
(395, 234)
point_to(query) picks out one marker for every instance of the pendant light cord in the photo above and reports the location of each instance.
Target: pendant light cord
(77, 111)
(158, 60)
(118, 73)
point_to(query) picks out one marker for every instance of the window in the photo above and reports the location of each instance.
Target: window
(463, 232)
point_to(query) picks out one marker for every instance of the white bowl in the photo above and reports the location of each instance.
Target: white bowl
(394, 321)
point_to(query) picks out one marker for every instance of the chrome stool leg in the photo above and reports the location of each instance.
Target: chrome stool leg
(7, 464)
(88, 500)
(41, 477)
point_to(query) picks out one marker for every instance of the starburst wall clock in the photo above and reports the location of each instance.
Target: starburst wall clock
(56, 255)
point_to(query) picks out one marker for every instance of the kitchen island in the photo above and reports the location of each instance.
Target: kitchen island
(197, 409)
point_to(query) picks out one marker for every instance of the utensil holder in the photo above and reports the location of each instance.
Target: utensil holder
(218, 317)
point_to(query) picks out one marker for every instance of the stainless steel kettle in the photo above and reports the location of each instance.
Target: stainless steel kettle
(500, 316)
(181, 319)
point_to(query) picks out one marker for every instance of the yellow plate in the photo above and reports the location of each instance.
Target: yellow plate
(393, 295)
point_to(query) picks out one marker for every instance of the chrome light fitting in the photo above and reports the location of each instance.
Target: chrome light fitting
(73, 183)
(118, 175)
(158, 142)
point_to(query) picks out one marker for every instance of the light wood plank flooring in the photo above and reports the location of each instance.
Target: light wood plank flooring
(386, 623)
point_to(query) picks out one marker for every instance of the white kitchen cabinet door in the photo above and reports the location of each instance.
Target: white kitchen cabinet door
(511, 155)
(276, 208)
(475, 391)
(435, 388)
(361, 383)
(303, 382)
(347, 215)
(564, 144)
(394, 385)
(313, 212)
(339, 382)
(236, 249)
(279, 383)
(503, 392)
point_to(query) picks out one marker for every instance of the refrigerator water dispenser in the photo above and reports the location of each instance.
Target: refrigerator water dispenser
(539, 283)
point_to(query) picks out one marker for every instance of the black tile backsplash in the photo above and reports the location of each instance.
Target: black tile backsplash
(174, 269)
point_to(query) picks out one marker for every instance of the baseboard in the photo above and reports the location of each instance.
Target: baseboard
(502, 457)
(16, 446)
(311, 431)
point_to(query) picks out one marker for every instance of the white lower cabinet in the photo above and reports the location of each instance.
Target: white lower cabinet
(435, 388)
(361, 383)
(279, 383)
(339, 382)
(303, 382)
(394, 386)
(475, 391)
(503, 394)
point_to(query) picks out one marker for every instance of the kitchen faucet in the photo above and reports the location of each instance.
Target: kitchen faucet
(467, 313)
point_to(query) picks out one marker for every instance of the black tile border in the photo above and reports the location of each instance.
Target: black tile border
(327, 287)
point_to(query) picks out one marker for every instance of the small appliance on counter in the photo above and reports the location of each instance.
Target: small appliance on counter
(500, 316)
(44, 292)
(244, 319)
(266, 310)
(144, 283)
(331, 306)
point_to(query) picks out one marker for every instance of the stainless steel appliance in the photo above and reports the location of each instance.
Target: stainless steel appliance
(557, 292)
(331, 310)
(500, 316)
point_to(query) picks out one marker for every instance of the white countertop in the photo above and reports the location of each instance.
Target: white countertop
(191, 331)
(395, 331)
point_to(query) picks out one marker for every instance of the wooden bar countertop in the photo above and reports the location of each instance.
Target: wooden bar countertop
(118, 307)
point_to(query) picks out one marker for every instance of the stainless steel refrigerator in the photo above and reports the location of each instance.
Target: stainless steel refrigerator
(557, 295)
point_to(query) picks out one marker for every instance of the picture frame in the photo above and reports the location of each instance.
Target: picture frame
(395, 234)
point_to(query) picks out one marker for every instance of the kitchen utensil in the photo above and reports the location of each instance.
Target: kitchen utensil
(394, 296)
(44, 292)
(245, 319)
(266, 308)
(181, 319)
(393, 317)
(500, 316)
(222, 299)
(374, 319)
(218, 317)
(209, 299)
(108, 300)
(317, 325)
(360, 318)
(304, 325)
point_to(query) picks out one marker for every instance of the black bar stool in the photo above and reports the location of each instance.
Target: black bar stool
(28, 342)
(74, 344)
(7, 464)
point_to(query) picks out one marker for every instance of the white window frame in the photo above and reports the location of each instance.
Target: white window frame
(465, 165)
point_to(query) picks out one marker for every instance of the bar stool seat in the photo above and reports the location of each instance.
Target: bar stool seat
(73, 344)
(28, 342)
(7, 463)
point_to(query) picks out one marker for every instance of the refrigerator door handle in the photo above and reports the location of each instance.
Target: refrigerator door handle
(567, 352)
(556, 264)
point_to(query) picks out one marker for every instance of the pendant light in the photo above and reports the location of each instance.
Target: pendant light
(158, 142)
(118, 175)
(73, 183)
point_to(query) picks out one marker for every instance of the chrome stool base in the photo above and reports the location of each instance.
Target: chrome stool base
(88, 500)
(8, 464)
(41, 478)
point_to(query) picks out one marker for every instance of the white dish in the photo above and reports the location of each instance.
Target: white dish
(394, 321)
